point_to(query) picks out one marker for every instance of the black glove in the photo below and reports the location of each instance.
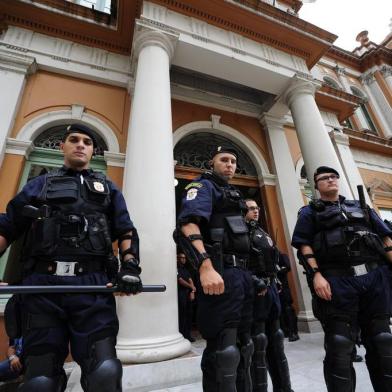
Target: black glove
(258, 284)
(128, 278)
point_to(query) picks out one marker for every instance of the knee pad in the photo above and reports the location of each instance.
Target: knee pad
(44, 373)
(102, 371)
(43, 384)
(227, 361)
(260, 342)
(338, 346)
(383, 345)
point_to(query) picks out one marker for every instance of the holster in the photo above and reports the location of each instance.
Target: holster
(216, 249)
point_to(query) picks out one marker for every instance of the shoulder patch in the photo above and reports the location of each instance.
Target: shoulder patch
(191, 194)
(194, 185)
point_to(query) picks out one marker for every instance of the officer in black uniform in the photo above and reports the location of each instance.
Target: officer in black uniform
(71, 216)
(186, 295)
(213, 233)
(345, 246)
(288, 318)
(267, 336)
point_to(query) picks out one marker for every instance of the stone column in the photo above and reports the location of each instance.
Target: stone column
(149, 321)
(316, 146)
(342, 145)
(14, 68)
(380, 103)
(386, 71)
(288, 184)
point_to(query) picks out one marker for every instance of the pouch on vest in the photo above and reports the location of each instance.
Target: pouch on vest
(44, 236)
(62, 190)
(331, 217)
(237, 233)
(335, 237)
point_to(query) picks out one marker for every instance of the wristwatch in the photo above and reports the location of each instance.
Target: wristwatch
(11, 357)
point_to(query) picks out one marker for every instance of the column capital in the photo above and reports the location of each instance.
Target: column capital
(340, 138)
(269, 121)
(16, 62)
(341, 71)
(300, 86)
(114, 158)
(147, 34)
(386, 70)
(368, 78)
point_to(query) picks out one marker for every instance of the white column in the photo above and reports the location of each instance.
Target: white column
(316, 146)
(13, 70)
(290, 201)
(380, 103)
(386, 71)
(342, 146)
(149, 322)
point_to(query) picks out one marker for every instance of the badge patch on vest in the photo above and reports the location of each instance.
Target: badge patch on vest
(98, 186)
(191, 194)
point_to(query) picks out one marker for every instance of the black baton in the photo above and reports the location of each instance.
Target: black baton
(72, 289)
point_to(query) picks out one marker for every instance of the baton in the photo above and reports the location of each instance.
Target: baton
(73, 289)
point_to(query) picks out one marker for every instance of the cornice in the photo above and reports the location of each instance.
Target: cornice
(374, 57)
(61, 19)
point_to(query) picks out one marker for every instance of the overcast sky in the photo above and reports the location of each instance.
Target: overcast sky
(347, 18)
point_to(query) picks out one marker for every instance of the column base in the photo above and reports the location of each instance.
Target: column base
(308, 323)
(152, 350)
(152, 376)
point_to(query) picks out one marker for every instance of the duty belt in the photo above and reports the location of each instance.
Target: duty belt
(355, 270)
(69, 268)
(235, 261)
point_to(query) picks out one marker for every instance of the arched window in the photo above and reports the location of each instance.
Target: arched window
(331, 82)
(367, 124)
(51, 138)
(195, 151)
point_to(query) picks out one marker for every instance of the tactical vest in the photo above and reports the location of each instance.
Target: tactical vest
(344, 235)
(77, 224)
(227, 225)
(264, 255)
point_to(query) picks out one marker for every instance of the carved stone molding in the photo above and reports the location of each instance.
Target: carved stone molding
(18, 63)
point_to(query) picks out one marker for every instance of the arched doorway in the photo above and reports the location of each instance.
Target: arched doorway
(192, 155)
(46, 155)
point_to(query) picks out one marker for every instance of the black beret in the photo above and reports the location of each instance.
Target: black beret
(324, 169)
(225, 149)
(79, 128)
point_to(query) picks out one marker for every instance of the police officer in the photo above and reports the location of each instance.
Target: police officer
(288, 318)
(267, 336)
(71, 216)
(186, 295)
(345, 247)
(214, 235)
